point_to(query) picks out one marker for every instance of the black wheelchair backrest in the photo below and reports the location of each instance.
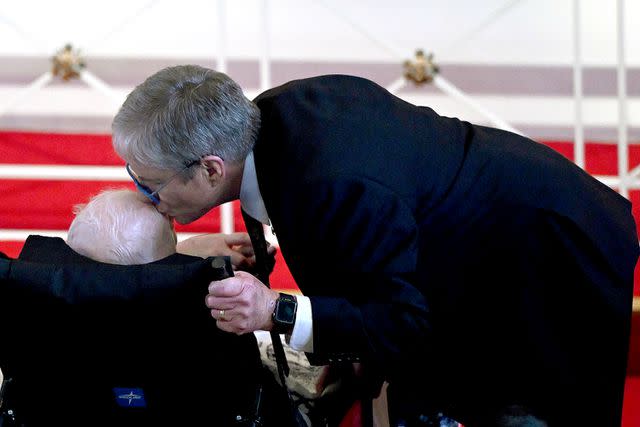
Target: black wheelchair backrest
(96, 344)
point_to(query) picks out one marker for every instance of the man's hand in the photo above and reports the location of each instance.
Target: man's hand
(241, 304)
(234, 245)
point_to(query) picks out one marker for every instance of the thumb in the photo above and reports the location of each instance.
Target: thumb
(230, 287)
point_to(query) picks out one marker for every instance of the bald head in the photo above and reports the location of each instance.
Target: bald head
(121, 227)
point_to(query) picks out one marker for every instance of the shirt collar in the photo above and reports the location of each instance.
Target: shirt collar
(250, 198)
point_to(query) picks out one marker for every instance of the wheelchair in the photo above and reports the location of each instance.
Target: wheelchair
(92, 344)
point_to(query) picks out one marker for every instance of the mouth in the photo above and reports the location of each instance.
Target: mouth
(169, 218)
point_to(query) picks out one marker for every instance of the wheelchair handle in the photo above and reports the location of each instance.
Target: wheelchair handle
(222, 268)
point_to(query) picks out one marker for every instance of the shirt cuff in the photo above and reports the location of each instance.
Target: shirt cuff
(302, 335)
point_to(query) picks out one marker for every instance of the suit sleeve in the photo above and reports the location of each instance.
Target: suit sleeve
(358, 261)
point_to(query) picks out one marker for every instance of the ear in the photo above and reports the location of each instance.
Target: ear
(215, 167)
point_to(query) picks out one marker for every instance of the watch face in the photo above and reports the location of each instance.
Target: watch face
(286, 311)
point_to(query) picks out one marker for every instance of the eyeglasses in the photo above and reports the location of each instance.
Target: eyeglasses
(153, 195)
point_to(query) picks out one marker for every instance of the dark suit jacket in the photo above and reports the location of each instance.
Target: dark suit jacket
(448, 256)
(94, 328)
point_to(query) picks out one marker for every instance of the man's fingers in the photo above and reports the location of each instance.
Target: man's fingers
(237, 259)
(247, 251)
(240, 304)
(224, 326)
(237, 239)
(222, 314)
(216, 304)
(248, 263)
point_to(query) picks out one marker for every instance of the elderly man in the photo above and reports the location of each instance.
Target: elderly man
(97, 313)
(123, 227)
(482, 274)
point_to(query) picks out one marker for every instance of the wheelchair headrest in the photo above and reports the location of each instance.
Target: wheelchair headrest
(90, 282)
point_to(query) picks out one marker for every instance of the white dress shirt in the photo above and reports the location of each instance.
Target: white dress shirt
(252, 203)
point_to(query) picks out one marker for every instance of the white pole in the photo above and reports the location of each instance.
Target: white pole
(578, 139)
(265, 58)
(61, 172)
(20, 235)
(444, 85)
(226, 209)
(614, 182)
(635, 172)
(24, 93)
(265, 78)
(623, 148)
(396, 85)
(95, 83)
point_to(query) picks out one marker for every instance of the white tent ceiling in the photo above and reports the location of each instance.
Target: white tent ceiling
(513, 56)
(460, 31)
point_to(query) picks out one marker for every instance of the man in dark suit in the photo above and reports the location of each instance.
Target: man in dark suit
(482, 274)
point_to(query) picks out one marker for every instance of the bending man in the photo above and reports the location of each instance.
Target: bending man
(482, 274)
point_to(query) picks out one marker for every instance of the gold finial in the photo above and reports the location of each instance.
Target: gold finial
(67, 63)
(422, 69)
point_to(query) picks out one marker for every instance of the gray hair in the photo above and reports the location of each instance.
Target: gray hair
(121, 227)
(183, 113)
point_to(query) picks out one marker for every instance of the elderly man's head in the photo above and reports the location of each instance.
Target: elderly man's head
(121, 227)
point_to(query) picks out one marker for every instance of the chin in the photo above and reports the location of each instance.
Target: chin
(187, 219)
(184, 220)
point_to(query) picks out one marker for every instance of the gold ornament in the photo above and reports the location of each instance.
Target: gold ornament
(67, 63)
(422, 69)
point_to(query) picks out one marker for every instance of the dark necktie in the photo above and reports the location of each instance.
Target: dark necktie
(263, 269)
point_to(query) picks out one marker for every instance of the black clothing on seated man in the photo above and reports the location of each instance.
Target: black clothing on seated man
(93, 344)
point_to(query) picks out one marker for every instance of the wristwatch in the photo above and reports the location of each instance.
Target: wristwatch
(284, 314)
